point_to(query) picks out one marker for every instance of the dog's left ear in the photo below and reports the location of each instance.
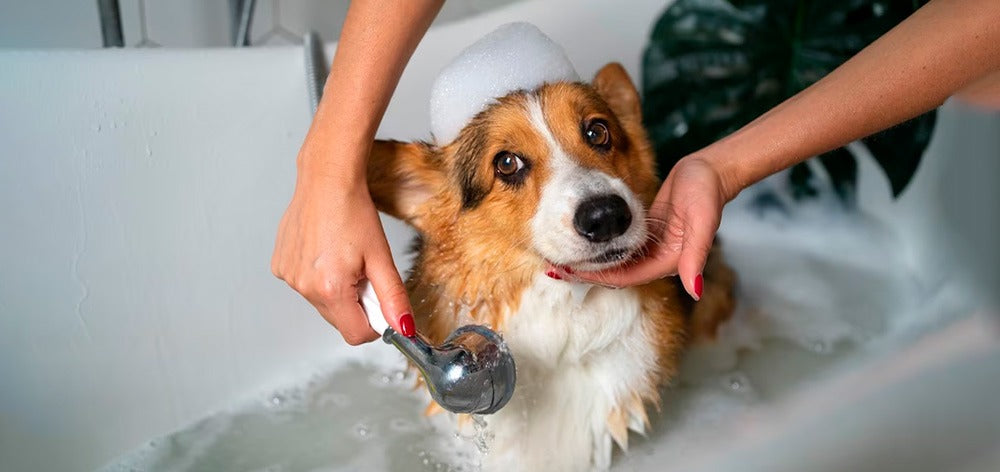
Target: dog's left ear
(615, 87)
(402, 178)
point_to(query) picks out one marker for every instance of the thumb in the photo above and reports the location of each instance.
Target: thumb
(697, 244)
(391, 293)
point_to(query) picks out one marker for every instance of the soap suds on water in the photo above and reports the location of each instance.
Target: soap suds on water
(355, 417)
(817, 284)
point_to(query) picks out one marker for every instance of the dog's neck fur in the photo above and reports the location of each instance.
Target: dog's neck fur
(460, 280)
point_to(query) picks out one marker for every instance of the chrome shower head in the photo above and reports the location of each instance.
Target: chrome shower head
(472, 371)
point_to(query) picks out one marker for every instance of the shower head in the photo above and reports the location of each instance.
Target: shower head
(472, 371)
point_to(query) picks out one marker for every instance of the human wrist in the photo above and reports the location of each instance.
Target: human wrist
(763, 147)
(332, 166)
(334, 152)
(726, 168)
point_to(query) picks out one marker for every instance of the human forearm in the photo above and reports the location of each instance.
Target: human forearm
(330, 238)
(940, 49)
(377, 40)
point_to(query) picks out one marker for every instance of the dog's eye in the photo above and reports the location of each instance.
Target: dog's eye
(507, 164)
(597, 134)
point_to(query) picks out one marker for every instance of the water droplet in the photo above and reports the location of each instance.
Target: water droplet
(97, 127)
(820, 347)
(277, 399)
(362, 431)
(149, 152)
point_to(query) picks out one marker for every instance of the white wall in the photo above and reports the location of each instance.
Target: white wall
(49, 24)
(186, 23)
(140, 191)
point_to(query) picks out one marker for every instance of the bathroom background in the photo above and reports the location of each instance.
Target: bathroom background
(186, 23)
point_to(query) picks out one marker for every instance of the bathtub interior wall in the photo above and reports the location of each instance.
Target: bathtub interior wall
(141, 189)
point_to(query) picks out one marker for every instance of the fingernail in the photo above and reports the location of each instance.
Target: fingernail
(553, 274)
(698, 283)
(567, 270)
(406, 325)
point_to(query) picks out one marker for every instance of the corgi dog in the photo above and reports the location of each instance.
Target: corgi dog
(559, 176)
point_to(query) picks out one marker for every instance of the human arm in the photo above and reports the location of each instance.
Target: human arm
(944, 47)
(330, 237)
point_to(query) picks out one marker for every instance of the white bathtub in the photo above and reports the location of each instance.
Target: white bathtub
(140, 191)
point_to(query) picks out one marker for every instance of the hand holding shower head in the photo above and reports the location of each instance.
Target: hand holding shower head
(472, 371)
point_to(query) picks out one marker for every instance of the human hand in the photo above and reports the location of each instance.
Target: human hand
(683, 218)
(329, 240)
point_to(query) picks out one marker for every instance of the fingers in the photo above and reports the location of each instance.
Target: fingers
(326, 246)
(349, 319)
(389, 289)
(337, 302)
(697, 244)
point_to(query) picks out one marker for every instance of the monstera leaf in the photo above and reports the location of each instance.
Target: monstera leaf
(714, 65)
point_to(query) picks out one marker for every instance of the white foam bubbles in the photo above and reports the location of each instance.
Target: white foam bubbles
(515, 56)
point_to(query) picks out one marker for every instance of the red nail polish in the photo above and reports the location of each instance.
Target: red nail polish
(406, 326)
(567, 270)
(553, 274)
(698, 283)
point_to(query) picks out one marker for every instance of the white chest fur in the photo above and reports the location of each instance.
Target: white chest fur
(581, 352)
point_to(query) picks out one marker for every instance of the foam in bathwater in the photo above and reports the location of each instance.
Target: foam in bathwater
(816, 283)
(355, 417)
(516, 56)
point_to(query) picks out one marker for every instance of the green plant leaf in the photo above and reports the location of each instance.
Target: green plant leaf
(712, 66)
(898, 149)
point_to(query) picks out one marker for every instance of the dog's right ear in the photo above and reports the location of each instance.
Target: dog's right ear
(402, 177)
(615, 87)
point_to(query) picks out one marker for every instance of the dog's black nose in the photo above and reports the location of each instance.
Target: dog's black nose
(602, 218)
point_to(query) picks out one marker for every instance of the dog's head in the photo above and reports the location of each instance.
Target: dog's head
(562, 174)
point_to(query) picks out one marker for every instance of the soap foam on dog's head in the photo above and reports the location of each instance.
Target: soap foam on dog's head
(516, 56)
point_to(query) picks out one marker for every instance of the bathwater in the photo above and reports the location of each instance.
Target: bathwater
(817, 284)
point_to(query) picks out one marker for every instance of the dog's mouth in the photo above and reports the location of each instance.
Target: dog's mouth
(606, 260)
(614, 255)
